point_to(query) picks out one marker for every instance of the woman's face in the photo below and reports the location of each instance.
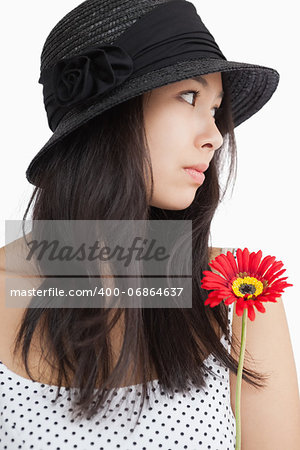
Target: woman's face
(181, 132)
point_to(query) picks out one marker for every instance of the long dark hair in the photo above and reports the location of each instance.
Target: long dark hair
(96, 173)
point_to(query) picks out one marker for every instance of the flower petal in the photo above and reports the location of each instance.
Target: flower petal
(260, 307)
(212, 280)
(213, 294)
(212, 276)
(232, 262)
(219, 267)
(254, 261)
(272, 278)
(279, 284)
(211, 285)
(276, 266)
(279, 280)
(239, 256)
(239, 308)
(266, 262)
(223, 260)
(245, 257)
(251, 313)
(270, 297)
(215, 302)
(230, 300)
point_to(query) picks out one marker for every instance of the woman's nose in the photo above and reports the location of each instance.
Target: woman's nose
(210, 138)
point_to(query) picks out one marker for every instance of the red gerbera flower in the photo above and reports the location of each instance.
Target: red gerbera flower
(248, 283)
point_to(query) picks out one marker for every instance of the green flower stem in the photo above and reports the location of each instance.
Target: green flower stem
(239, 384)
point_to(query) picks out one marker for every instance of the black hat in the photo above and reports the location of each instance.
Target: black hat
(105, 52)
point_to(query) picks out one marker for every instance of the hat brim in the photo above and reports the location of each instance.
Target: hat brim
(251, 86)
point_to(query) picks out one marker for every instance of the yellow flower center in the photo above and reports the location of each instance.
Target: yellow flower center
(247, 285)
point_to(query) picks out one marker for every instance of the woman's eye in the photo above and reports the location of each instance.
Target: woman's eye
(191, 94)
(216, 110)
(195, 94)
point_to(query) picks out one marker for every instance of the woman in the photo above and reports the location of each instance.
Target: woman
(137, 94)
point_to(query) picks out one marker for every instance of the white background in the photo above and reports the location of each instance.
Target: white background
(263, 211)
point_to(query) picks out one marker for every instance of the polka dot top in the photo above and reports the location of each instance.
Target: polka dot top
(203, 418)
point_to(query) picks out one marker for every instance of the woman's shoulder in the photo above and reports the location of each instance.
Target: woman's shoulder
(2, 259)
(10, 319)
(9, 316)
(269, 351)
(12, 256)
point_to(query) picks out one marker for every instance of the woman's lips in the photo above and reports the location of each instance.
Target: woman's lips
(197, 176)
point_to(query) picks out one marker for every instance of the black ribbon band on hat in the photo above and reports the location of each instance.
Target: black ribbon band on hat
(169, 33)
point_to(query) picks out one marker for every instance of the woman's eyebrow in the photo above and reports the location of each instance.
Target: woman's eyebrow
(204, 83)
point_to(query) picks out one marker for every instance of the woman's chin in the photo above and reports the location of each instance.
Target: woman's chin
(174, 204)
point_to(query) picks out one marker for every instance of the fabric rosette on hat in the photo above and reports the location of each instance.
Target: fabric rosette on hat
(86, 76)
